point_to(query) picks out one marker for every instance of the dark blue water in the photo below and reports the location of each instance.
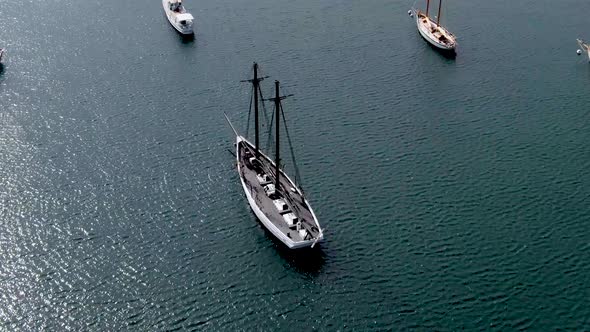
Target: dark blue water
(454, 192)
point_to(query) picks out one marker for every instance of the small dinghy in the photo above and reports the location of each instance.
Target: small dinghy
(178, 17)
(432, 31)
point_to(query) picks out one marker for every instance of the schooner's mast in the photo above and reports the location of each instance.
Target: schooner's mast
(256, 91)
(438, 17)
(277, 152)
(256, 85)
(278, 109)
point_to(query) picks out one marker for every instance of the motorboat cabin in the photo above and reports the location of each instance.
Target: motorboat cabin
(178, 17)
(185, 21)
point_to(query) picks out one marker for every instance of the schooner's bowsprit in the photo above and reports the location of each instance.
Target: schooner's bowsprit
(277, 201)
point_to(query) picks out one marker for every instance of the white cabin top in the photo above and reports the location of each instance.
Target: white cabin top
(184, 17)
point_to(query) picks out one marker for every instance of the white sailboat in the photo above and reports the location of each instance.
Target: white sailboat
(178, 17)
(432, 31)
(1, 54)
(278, 202)
(584, 48)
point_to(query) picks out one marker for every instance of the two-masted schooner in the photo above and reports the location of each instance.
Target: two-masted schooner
(277, 201)
(432, 31)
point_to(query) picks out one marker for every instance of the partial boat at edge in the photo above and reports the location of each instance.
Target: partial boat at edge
(585, 47)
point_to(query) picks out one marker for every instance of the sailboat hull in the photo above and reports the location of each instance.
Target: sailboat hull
(263, 217)
(432, 33)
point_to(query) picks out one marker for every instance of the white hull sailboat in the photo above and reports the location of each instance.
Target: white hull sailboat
(585, 48)
(178, 17)
(432, 31)
(277, 201)
(1, 54)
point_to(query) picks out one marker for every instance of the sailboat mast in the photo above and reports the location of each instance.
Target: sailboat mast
(438, 17)
(427, 6)
(277, 123)
(256, 85)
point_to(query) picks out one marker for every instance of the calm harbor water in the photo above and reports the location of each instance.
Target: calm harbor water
(454, 193)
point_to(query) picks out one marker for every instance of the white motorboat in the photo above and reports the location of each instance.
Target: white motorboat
(432, 31)
(178, 17)
(584, 48)
(278, 202)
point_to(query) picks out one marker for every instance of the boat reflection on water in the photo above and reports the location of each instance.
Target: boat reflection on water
(450, 55)
(307, 261)
(187, 39)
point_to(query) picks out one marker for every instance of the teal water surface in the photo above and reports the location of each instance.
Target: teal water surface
(454, 192)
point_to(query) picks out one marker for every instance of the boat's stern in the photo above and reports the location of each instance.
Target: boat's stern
(186, 31)
(185, 23)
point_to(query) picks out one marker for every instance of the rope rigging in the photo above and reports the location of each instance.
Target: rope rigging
(297, 174)
(269, 138)
(269, 121)
(263, 104)
(249, 113)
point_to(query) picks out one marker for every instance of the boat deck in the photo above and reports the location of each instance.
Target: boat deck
(280, 205)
